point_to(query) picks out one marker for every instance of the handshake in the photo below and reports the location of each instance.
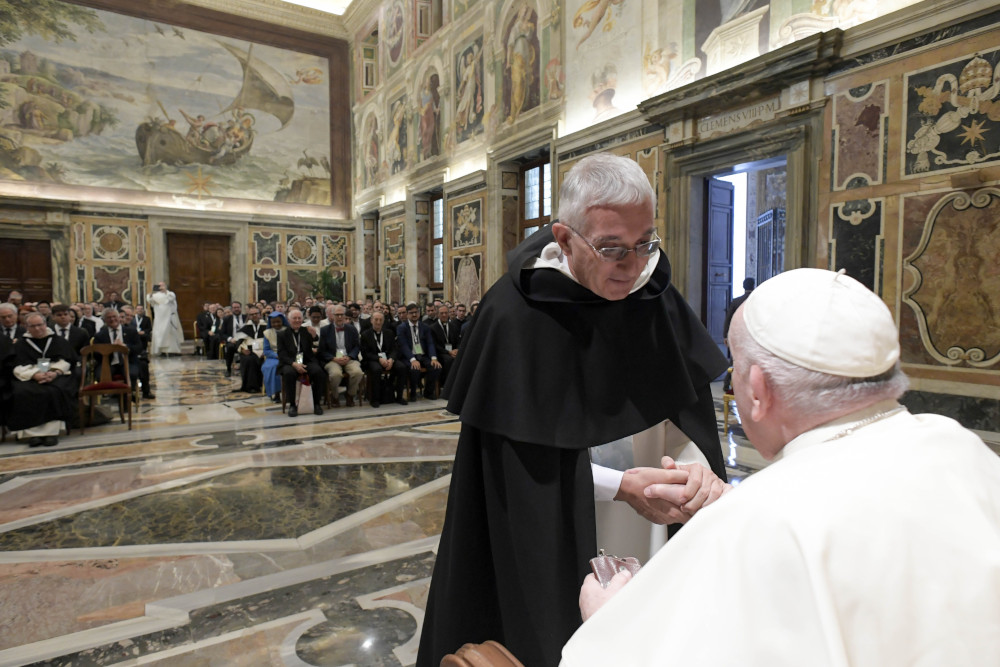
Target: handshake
(671, 494)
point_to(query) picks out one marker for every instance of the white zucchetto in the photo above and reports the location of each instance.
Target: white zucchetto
(823, 321)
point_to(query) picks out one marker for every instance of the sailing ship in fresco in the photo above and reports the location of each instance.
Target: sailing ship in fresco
(219, 143)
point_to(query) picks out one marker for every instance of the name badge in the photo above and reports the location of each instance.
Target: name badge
(381, 355)
(418, 349)
(341, 353)
(298, 358)
(44, 365)
(447, 347)
(212, 330)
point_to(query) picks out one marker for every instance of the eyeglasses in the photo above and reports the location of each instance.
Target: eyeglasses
(618, 253)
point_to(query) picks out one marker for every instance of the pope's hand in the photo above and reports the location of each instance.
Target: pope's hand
(593, 596)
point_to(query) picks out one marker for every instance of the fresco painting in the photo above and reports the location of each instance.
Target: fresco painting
(469, 90)
(113, 101)
(396, 144)
(429, 116)
(521, 79)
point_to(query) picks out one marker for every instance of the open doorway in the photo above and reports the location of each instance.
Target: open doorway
(745, 233)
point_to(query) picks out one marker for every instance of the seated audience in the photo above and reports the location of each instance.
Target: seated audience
(379, 354)
(295, 359)
(90, 321)
(44, 390)
(15, 298)
(129, 319)
(416, 349)
(314, 324)
(446, 334)
(338, 354)
(113, 302)
(872, 540)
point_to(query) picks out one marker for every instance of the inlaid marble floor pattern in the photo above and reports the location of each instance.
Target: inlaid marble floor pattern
(219, 531)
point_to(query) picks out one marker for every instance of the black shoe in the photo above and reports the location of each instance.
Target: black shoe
(375, 404)
(35, 442)
(429, 397)
(276, 398)
(229, 372)
(401, 400)
(149, 397)
(317, 410)
(293, 411)
(50, 441)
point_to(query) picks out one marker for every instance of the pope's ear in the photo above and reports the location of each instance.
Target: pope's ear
(562, 234)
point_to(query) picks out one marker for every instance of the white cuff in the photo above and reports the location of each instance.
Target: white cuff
(607, 481)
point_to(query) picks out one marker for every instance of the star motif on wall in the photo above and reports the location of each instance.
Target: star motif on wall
(199, 184)
(973, 133)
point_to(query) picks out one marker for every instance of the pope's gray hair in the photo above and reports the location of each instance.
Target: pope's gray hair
(810, 392)
(602, 180)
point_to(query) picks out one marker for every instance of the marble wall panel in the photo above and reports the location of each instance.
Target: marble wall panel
(395, 285)
(951, 278)
(860, 131)
(286, 261)
(856, 241)
(109, 254)
(393, 240)
(952, 120)
(467, 224)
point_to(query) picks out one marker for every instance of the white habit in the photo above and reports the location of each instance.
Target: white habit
(167, 332)
(877, 549)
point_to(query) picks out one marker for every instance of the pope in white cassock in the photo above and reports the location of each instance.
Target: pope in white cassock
(873, 540)
(167, 332)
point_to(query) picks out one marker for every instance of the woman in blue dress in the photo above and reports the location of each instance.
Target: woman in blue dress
(272, 381)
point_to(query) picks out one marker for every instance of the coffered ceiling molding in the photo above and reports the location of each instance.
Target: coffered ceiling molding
(281, 13)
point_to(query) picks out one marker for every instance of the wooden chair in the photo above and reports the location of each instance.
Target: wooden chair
(487, 654)
(104, 384)
(197, 338)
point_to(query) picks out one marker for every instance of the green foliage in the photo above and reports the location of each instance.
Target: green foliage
(50, 19)
(329, 285)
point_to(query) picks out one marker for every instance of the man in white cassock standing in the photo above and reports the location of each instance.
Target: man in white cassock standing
(873, 539)
(167, 332)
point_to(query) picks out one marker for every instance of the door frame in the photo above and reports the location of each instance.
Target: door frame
(687, 167)
(239, 244)
(57, 234)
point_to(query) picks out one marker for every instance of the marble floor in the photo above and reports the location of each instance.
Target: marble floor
(219, 531)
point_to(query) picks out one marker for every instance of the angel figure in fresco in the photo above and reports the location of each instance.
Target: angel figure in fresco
(470, 91)
(430, 109)
(656, 66)
(555, 80)
(521, 58)
(371, 154)
(591, 14)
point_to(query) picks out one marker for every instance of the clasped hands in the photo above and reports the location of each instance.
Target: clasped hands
(43, 378)
(671, 494)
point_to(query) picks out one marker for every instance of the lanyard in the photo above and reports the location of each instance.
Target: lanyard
(416, 336)
(298, 343)
(378, 340)
(48, 342)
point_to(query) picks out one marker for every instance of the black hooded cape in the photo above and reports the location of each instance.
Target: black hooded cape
(33, 404)
(546, 370)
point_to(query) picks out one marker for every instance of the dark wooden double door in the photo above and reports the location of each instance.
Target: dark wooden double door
(26, 266)
(199, 272)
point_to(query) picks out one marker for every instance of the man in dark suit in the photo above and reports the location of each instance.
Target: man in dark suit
(416, 348)
(114, 332)
(207, 325)
(295, 358)
(9, 326)
(447, 333)
(379, 354)
(64, 328)
(132, 321)
(230, 325)
(339, 345)
(113, 302)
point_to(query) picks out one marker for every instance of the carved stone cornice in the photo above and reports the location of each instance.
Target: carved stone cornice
(281, 13)
(765, 75)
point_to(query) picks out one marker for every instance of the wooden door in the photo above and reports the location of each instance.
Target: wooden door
(720, 257)
(199, 272)
(26, 266)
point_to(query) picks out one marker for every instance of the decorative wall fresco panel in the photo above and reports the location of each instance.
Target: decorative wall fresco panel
(860, 119)
(467, 224)
(950, 246)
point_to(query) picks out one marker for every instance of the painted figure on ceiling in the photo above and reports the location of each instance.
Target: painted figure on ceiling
(396, 146)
